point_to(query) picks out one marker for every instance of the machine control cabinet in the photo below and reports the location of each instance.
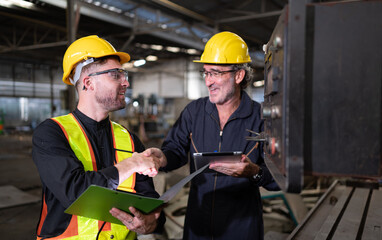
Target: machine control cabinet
(322, 99)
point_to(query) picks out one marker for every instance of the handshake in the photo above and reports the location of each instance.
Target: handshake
(146, 163)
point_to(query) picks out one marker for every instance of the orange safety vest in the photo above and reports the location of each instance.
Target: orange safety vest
(82, 227)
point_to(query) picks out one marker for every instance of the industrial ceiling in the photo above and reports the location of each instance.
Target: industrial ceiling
(37, 30)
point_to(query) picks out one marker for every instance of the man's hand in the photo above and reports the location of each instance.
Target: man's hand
(140, 163)
(157, 154)
(138, 222)
(244, 168)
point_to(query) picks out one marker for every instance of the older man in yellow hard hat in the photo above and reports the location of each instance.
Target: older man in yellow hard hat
(224, 202)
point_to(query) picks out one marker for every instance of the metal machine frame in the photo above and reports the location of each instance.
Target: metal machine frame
(322, 99)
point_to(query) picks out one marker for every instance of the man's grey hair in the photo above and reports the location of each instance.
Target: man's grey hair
(248, 74)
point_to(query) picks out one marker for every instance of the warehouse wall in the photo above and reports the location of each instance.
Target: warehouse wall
(29, 93)
(173, 79)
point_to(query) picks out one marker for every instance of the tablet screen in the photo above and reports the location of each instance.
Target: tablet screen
(204, 158)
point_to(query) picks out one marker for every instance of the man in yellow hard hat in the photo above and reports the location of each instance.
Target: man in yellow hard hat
(224, 202)
(85, 147)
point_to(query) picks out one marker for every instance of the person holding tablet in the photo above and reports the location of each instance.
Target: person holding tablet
(224, 203)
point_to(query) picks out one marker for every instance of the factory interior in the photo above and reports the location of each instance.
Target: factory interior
(317, 74)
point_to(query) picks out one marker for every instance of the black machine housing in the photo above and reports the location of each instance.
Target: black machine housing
(322, 99)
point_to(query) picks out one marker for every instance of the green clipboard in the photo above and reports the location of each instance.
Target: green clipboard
(97, 201)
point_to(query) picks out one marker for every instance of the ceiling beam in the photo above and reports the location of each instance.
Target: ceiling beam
(249, 17)
(93, 11)
(34, 46)
(184, 11)
(31, 20)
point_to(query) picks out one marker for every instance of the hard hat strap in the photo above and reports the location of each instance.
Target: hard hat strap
(78, 70)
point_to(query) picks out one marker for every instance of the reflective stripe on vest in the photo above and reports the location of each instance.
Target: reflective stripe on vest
(87, 228)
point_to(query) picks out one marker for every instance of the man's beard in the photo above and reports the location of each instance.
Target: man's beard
(225, 95)
(110, 103)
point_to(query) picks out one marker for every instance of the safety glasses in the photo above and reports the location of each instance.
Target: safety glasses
(116, 74)
(215, 74)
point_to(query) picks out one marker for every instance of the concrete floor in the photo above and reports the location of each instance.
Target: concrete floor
(18, 170)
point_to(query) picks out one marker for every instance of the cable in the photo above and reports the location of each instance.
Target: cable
(100, 230)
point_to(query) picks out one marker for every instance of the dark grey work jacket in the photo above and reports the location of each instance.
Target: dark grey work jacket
(219, 206)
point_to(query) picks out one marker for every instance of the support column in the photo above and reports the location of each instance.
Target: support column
(71, 31)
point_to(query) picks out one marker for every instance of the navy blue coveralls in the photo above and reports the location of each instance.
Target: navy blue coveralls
(219, 206)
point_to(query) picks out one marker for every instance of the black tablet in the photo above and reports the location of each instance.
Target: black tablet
(204, 158)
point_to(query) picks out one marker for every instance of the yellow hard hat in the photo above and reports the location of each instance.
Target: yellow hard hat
(225, 48)
(87, 48)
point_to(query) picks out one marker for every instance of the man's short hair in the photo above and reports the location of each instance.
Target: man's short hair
(248, 74)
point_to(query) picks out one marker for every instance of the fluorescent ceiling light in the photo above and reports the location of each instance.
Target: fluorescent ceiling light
(156, 47)
(192, 51)
(173, 49)
(151, 58)
(127, 65)
(258, 83)
(145, 46)
(20, 3)
(6, 4)
(114, 9)
(139, 63)
(129, 14)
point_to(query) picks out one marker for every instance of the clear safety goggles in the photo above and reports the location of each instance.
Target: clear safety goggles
(116, 74)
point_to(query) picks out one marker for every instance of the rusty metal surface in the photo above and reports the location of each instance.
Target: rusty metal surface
(343, 213)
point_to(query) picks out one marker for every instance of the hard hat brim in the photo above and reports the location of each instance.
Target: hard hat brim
(220, 63)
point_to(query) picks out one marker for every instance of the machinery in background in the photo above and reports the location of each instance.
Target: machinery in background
(150, 116)
(145, 117)
(322, 99)
(323, 113)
